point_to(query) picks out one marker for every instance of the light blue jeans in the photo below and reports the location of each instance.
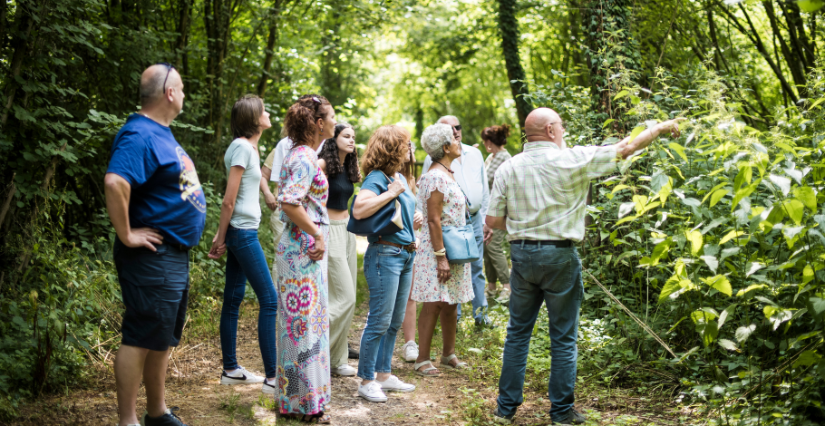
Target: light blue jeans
(477, 271)
(389, 275)
(551, 275)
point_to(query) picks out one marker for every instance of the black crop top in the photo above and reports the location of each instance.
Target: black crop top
(340, 191)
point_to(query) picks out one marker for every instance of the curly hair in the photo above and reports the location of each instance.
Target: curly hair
(329, 153)
(435, 138)
(301, 119)
(385, 152)
(496, 134)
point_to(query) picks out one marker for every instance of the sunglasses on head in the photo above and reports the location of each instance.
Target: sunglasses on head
(169, 68)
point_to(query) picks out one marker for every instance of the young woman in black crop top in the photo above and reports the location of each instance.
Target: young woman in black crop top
(339, 161)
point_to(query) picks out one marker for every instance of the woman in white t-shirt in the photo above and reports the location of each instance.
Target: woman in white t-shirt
(238, 237)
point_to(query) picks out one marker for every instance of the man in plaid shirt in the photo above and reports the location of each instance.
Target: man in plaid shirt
(539, 197)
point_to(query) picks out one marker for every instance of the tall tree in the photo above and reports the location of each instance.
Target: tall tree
(508, 26)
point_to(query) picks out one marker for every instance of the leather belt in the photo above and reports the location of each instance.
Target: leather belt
(409, 247)
(557, 243)
(179, 247)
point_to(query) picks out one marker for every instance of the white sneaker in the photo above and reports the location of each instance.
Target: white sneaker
(269, 388)
(345, 370)
(409, 351)
(394, 384)
(372, 392)
(240, 377)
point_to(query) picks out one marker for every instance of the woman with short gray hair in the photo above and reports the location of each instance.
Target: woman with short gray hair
(437, 283)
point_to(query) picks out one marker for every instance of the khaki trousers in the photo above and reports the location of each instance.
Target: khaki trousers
(343, 271)
(495, 263)
(277, 230)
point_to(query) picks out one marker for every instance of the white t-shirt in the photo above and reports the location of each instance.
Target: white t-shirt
(283, 147)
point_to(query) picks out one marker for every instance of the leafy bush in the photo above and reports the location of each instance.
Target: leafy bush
(716, 240)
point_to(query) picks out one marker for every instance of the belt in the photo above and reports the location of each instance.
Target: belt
(557, 243)
(179, 247)
(409, 247)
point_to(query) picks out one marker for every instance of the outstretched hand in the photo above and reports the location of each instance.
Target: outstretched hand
(671, 126)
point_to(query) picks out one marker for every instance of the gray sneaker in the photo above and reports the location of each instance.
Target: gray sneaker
(571, 417)
(500, 418)
(169, 418)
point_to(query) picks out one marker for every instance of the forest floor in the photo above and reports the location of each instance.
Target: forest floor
(455, 398)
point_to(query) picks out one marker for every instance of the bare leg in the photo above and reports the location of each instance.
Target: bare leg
(426, 327)
(128, 373)
(408, 326)
(154, 377)
(448, 330)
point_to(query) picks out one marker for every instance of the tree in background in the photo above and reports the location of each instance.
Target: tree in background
(508, 26)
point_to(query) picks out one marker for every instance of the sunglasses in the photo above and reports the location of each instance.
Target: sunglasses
(169, 68)
(457, 127)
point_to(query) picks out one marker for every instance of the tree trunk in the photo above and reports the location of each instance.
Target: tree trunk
(508, 25)
(183, 25)
(271, 42)
(20, 45)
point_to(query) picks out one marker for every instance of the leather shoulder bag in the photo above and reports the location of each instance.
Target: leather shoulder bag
(460, 241)
(386, 221)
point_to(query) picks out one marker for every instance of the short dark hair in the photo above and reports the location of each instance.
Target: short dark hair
(496, 134)
(246, 115)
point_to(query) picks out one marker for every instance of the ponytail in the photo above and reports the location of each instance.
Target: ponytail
(301, 119)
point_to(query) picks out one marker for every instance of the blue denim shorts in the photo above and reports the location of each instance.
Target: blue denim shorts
(155, 289)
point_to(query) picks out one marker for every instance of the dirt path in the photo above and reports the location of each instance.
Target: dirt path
(193, 385)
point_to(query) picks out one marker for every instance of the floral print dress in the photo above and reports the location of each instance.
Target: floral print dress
(303, 320)
(426, 288)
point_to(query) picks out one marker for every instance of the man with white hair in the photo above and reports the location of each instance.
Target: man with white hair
(158, 209)
(539, 197)
(471, 176)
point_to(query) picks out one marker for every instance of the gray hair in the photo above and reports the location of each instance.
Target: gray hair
(435, 138)
(448, 116)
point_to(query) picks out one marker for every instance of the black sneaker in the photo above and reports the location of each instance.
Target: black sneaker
(353, 354)
(571, 417)
(167, 419)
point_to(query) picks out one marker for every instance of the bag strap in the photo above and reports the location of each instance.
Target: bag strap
(466, 201)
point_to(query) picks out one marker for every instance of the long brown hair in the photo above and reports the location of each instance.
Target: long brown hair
(385, 152)
(329, 153)
(302, 117)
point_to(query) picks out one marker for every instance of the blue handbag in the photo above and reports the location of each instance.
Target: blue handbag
(386, 221)
(460, 241)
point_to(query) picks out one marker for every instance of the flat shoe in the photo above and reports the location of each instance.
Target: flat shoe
(445, 362)
(425, 372)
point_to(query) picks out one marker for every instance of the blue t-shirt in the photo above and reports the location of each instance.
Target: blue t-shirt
(377, 183)
(166, 193)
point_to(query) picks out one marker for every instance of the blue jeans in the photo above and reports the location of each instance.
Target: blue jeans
(477, 271)
(389, 276)
(552, 275)
(246, 260)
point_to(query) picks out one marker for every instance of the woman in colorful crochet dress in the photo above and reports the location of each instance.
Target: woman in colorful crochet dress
(303, 320)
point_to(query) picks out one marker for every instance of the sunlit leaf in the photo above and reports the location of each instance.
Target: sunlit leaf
(782, 182)
(729, 345)
(742, 333)
(711, 261)
(717, 196)
(795, 210)
(695, 238)
(731, 235)
(720, 283)
(679, 150)
(806, 195)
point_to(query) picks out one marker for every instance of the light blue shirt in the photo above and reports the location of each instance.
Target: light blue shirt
(247, 213)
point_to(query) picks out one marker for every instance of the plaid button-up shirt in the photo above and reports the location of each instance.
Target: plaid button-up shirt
(542, 192)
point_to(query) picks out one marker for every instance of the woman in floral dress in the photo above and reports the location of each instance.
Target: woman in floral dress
(439, 284)
(303, 321)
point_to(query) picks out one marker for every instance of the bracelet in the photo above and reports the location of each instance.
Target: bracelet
(442, 252)
(317, 234)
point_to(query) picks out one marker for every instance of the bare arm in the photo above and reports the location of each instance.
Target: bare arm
(118, 193)
(368, 202)
(496, 222)
(626, 148)
(434, 206)
(233, 184)
(298, 215)
(269, 197)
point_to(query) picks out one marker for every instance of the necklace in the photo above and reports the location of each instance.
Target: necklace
(448, 169)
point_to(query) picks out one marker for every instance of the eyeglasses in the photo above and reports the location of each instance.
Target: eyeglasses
(169, 68)
(457, 127)
(560, 122)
